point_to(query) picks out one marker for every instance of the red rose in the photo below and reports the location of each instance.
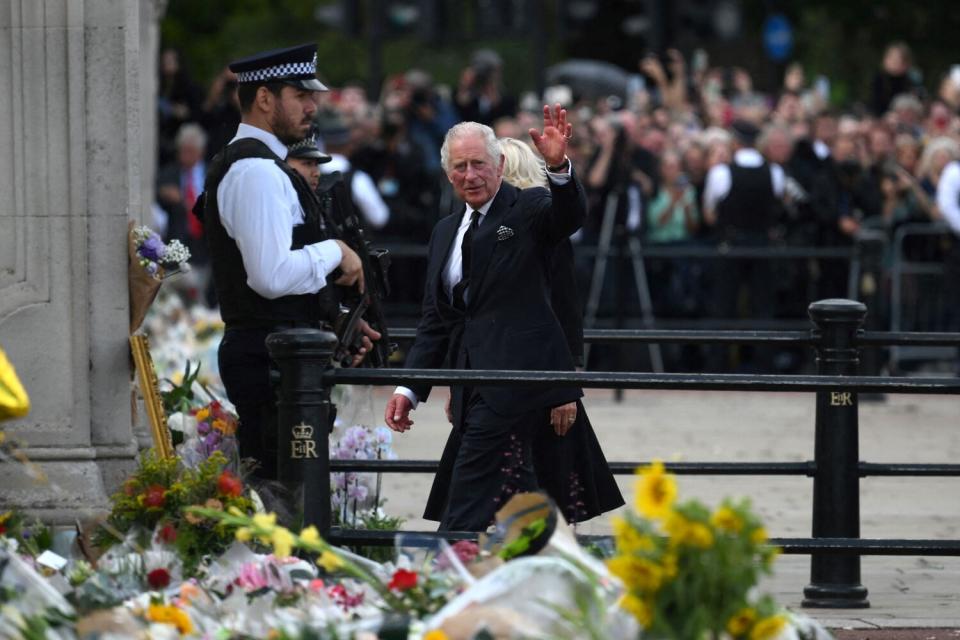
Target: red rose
(229, 484)
(167, 534)
(158, 578)
(153, 496)
(3, 529)
(403, 580)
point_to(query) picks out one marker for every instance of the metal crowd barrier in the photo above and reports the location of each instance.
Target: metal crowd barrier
(926, 309)
(835, 546)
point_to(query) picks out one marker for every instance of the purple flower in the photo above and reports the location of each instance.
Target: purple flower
(203, 428)
(212, 440)
(357, 491)
(152, 248)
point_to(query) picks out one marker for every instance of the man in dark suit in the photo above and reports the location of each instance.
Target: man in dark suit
(487, 306)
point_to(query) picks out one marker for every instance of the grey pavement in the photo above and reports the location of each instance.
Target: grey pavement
(905, 591)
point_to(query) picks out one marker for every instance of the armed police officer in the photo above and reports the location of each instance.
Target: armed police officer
(271, 254)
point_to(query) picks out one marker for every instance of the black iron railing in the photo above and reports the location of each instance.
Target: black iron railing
(835, 546)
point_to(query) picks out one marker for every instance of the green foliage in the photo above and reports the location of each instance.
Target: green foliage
(521, 544)
(374, 521)
(180, 397)
(33, 537)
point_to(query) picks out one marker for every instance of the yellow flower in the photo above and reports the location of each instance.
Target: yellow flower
(638, 608)
(243, 534)
(6, 515)
(628, 538)
(656, 491)
(282, 541)
(435, 634)
(329, 561)
(168, 614)
(266, 521)
(741, 622)
(310, 536)
(726, 519)
(637, 573)
(669, 565)
(202, 415)
(768, 627)
(758, 535)
(699, 536)
(676, 526)
(14, 402)
(235, 511)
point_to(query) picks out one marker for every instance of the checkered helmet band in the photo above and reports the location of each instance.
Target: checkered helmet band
(288, 70)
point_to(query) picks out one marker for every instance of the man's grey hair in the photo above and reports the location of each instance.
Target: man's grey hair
(192, 134)
(465, 130)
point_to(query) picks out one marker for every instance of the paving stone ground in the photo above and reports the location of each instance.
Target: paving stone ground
(904, 592)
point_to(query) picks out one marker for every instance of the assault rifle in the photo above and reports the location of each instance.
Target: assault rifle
(338, 208)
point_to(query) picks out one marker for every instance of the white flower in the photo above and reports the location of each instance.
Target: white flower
(184, 423)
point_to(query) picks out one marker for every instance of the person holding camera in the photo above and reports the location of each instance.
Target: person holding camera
(270, 255)
(480, 96)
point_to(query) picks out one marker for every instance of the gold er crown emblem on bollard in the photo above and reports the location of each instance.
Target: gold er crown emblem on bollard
(303, 445)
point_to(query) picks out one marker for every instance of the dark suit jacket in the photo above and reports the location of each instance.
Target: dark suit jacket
(508, 322)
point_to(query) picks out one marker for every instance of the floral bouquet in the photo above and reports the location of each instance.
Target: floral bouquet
(205, 431)
(153, 499)
(150, 262)
(689, 572)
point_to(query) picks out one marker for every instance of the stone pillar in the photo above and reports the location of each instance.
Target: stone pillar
(71, 121)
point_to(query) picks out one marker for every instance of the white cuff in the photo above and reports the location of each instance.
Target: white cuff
(409, 395)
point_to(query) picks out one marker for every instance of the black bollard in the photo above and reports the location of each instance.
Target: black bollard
(834, 578)
(304, 415)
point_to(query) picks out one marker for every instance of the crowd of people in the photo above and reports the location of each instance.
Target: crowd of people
(667, 159)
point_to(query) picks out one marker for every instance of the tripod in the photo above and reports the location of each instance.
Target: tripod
(632, 245)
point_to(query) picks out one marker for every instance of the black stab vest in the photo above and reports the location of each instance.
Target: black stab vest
(241, 306)
(750, 205)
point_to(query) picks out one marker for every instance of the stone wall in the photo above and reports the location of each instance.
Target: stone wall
(73, 124)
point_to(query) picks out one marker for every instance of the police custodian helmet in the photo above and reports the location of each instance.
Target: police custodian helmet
(295, 66)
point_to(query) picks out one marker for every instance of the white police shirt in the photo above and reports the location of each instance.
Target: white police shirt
(363, 190)
(258, 209)
(948, 195)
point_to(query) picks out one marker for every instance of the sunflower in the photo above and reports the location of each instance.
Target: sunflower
(656, 491)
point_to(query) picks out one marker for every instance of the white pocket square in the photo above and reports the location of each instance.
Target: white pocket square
(504, 232)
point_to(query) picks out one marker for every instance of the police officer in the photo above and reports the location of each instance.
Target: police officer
(271, 256)
(741, 202)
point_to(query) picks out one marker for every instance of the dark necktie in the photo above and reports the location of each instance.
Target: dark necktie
(466, 249)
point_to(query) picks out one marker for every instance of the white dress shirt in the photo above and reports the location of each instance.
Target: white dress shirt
(948, 195)
(258, 209)
(719, 179)
(453, 271)
(365, 193)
